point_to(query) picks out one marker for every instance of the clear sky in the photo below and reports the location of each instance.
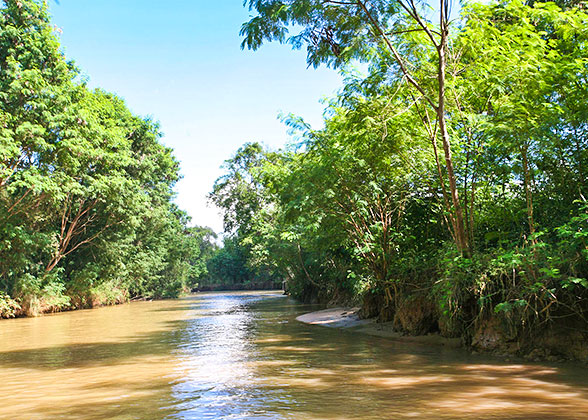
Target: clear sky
(180, 62)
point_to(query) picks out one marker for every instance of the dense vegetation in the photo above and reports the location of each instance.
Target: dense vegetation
(447, 189)
(86, 216)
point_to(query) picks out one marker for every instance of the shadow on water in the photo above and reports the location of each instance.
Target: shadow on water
(152, 404)
(93, 354)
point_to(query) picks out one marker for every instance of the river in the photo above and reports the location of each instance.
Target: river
(244, 356)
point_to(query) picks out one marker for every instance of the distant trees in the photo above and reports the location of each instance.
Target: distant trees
(241, 196)
(85, 186)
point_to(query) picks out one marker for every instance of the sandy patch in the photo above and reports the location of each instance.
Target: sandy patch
(347, 318)
(335, 318)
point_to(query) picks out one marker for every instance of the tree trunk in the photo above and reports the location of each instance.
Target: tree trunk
(461, 238)
(528, 192)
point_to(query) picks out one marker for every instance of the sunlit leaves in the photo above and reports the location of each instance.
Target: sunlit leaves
(85, 185)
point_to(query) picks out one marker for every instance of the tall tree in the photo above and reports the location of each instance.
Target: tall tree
(395, 31)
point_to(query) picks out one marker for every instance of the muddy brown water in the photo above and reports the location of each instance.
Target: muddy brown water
(244, 356)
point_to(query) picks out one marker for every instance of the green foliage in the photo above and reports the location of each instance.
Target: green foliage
(362, 207)
(86, 212)
(8, 306)
(242, 194)
(228, 265)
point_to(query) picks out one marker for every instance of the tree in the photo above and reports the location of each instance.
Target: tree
(392, 32)
(86, 187)
(359, 205)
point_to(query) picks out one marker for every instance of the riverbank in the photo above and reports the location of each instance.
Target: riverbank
(38, 306)
(552, 346)
(348, 319)
(34, 306)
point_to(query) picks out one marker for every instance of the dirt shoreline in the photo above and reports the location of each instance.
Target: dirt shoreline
(347, 319)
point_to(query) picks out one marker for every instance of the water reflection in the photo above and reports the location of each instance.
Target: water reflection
(243, 356)
(213, 355)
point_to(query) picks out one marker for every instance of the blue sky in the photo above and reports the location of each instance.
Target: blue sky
(180, 62)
